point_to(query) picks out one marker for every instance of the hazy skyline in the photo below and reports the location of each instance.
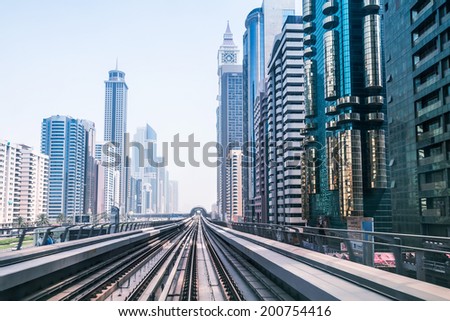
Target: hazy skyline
(56, 56)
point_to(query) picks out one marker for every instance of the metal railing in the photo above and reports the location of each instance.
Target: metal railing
(14, 239)
(423, 257)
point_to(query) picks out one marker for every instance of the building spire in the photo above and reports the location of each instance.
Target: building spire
(228, 27)
(228, 36)
(117, 63)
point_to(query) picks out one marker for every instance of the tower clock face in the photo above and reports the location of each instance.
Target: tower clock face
(228, 57)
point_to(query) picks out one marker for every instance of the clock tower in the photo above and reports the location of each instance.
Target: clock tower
(228, 51)
(230, 129)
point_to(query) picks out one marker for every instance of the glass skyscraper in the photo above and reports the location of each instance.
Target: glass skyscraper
(66, 140)
(345, 163)
(418, 95)
(115, 128)
(253, 77)
(262, 26)
(144, 173)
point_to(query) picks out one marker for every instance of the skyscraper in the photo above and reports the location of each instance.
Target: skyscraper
(91, 173)
(66, 140)
(254, 72)
(162, 189)
(115, 128)
(235, 210)
(275, 14)
(260, 201)
(33, 188)
(229, 112)
(285, 120)
(262, 26)
(173, 196)
(9, 181)
(144, 171)
(101, 176)
(23, 184)
(417, 46)
(345, 162)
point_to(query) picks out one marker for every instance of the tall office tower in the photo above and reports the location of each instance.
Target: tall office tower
(167, 192)
(262, 25)
(234, 203)
(115, 129)
(137, 196)
(33, 188)
(162, 179)
(100, 180)
(254, 71)
(260, 200)
(23, 184)
(286, 118)
(91, 173)
(144, 171)
(108, 177)
(417, 51)
(229, 112)
(275, 15)
(345, 159)
(173, 194)
(65, 140)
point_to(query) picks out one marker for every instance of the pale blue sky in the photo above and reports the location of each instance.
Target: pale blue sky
(55, 56)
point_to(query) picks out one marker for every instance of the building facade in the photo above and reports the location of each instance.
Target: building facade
(91, 173)
(66, 140)
(144, 171)
(23, 184)
(234, 203)
(346, 170)
(418, 95)
(33, 189)
(9, 182)
(260, 201)
(262, 26)
(254, 71)
(173, 197)
(229, 112)
(116, 93)
(286, 119)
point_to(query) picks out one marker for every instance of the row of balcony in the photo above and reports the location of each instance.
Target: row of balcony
(373, 101)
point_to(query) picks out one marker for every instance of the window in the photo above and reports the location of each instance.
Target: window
(433, 177)
(420, 8)
(424, 28)
(432, 206)
(429, 129)
(426, 78)
(430, 151)
(447, 94)
(444, 12)
(425, 52)
(428, 103)
(446, 66)
(445, 39)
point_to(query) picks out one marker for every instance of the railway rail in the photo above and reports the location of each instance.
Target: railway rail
(195, 260)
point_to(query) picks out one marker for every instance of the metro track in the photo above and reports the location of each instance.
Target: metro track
(195, 260)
